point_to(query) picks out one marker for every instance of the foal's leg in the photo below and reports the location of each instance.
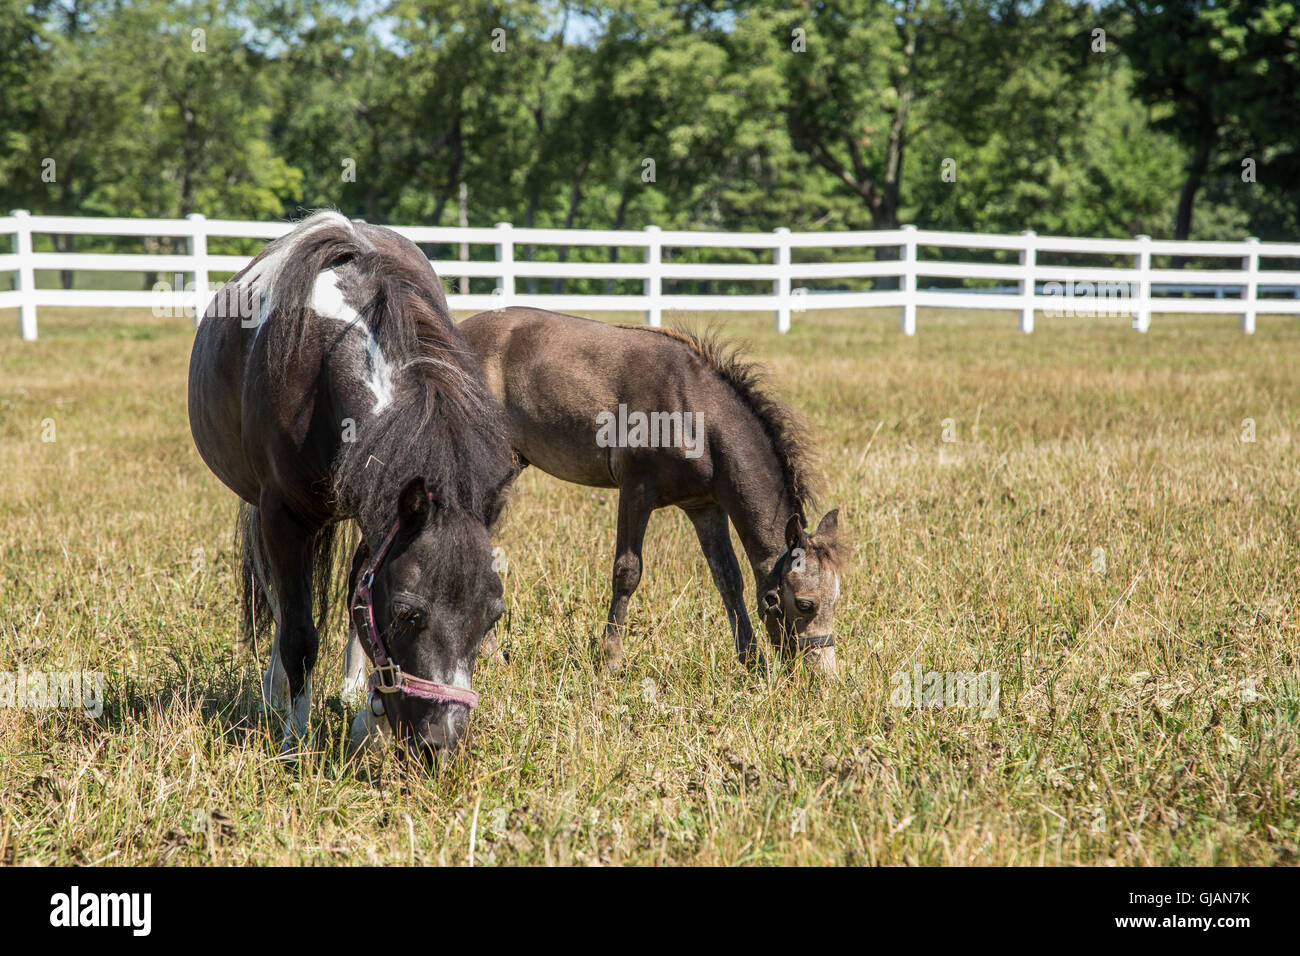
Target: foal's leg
(715, 540)
(635, 504)
(289, 555)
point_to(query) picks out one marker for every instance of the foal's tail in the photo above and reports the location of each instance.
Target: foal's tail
(257, 596)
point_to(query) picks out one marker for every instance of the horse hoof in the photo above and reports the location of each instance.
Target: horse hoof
(611, 655)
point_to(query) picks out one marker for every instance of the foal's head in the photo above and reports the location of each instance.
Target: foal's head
(435, 598)
(799, 602)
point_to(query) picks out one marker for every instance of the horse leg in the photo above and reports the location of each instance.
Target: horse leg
(715, 541)
(635, 504)
(353, 688)
(288, 543)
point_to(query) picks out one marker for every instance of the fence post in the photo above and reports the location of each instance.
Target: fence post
(907, 280)
(654, 283)
(782, 284)
(26, 275)
(506, 256)
(198, 243)
(1250, 293)
(1142, 307)
(1028, 285)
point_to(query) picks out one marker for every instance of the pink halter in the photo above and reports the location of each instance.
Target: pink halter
(388, 677)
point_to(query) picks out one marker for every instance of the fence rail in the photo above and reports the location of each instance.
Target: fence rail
(900, 275)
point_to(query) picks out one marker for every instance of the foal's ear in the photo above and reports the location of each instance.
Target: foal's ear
(794, 533)
(828, 534)
(413, 504)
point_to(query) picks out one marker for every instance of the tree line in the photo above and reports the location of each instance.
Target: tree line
(1176, 118)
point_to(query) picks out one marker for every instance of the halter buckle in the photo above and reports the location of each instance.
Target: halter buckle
(388, 678)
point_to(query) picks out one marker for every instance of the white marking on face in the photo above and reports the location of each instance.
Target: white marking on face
(328, 301)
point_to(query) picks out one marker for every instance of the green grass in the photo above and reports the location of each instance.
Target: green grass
(1148, 712)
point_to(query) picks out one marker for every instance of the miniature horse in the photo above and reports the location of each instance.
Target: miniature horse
(326, 383)
(671, 418)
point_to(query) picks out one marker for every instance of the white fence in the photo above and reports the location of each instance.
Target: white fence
(904, 277)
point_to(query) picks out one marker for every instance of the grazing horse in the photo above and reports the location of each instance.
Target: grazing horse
(671, 418)
(328, 383)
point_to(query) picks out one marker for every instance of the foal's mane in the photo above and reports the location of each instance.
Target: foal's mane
(784, 430)
(441, 424)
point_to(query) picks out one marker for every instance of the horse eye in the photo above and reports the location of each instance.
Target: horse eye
(406, 613)
(805, 606)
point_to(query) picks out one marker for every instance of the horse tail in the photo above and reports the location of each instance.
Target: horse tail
(257, 597)
(255, 604)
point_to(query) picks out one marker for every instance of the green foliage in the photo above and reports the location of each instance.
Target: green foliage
(727, 114)
(138, 122)
(1229, 72)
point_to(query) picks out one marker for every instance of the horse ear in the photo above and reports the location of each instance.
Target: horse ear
(794, 533)
(829, 526)
(413, 504)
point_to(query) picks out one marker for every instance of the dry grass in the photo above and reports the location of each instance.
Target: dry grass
(1148, 713)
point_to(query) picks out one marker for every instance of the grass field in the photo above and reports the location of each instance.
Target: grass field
(1099, 534)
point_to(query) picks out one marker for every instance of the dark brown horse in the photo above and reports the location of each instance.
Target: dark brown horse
(671, 418)
(327, 382)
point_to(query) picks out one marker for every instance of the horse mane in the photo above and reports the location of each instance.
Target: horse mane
(441, 424)
(784, 430)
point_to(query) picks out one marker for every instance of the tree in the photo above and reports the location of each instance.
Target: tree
(1229, 74)
(180, 130)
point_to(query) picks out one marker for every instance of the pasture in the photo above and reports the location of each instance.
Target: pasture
(1099, 534)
